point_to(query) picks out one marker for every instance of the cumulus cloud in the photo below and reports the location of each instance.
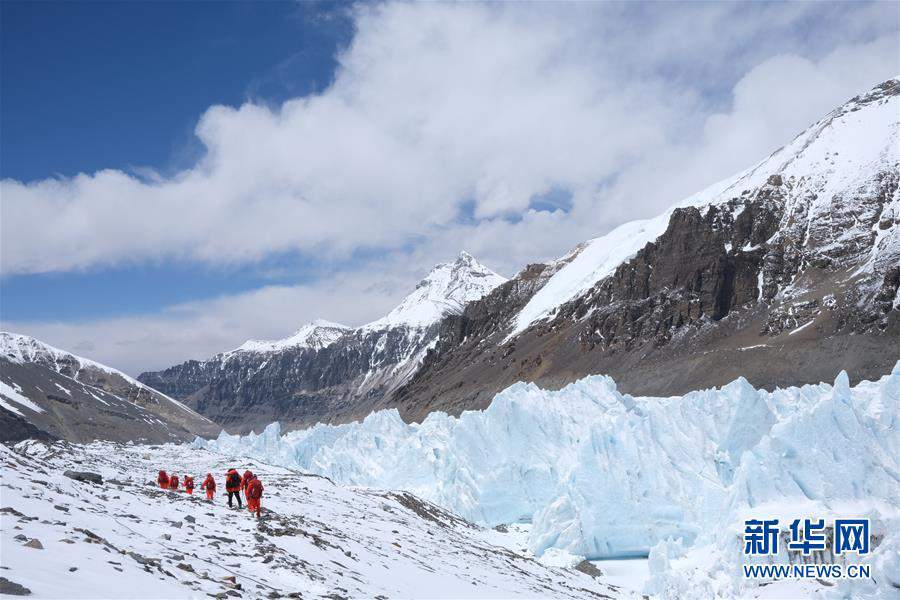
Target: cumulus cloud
(439, 107)
(769, 105)
(434, 105)
(442, 125)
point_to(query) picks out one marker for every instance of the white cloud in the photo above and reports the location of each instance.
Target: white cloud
(436, 105)
(438, 108)
(770, 104)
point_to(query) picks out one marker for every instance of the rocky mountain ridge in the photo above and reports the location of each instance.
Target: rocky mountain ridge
(301, 384)
(48, 393)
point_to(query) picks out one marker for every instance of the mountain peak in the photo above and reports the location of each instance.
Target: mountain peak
(20, 348)
(316, 335)
(446, 289)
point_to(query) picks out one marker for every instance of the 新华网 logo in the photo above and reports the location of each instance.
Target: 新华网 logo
(806, 536)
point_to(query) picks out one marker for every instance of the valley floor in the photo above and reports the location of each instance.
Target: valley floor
(125, 538)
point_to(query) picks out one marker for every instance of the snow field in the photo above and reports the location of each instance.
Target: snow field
(126, 538)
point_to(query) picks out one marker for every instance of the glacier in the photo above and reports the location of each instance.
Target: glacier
(602, 474)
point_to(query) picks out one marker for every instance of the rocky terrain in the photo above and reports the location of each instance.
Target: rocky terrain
(785, 273)
(300, 383)
(47, 393)
(88, 521)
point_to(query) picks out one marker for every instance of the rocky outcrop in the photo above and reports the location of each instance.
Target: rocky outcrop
(14, 428)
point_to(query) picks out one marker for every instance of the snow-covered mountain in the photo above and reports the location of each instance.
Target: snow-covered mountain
(316, 335)
(784, 273)
(64, 536)
(49, 393)
(445, 290)
(327, 372)
(818, 182)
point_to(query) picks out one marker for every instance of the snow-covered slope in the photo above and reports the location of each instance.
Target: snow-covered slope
(74, 398)
(21, 349)
(316, 335)
(827, 166)
(125, 538)
(445, 290)
(602, 474)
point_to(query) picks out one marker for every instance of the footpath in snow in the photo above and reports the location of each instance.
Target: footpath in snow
(602, 475)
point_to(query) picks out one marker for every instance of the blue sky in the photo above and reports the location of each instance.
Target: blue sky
(96, 85)
(178, 177)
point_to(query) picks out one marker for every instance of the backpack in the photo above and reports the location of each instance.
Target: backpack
(234, 480)
(254, 489)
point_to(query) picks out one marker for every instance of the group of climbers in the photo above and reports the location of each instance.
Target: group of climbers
(166, 481)
(235, 484)
(170, 482)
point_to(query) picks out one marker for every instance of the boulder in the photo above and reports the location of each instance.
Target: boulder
(12, 588)
(85, 476)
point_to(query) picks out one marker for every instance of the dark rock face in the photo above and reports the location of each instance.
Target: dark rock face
(491, 314)
(12, 588)
(14, 428)
(299, 386)
(181, 380)
(702, 267)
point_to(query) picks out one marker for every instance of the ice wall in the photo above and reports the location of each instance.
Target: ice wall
(603, 474)
(835, 456)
